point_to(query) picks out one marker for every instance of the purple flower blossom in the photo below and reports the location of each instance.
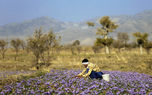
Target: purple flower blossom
(63, 82)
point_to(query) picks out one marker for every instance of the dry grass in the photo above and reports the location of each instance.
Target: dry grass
(128, 60)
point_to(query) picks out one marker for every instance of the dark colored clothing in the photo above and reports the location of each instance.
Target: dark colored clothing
(97, 75)
(92, 67)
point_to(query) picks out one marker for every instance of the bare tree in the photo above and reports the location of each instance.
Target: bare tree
(16, 43)
(75, 46)
(123, 38)
(57, 45)
(37, 44)
(148, 46)
(3, 47)
(50, 43)
(97, 46)
(118, 44)
(23, 44)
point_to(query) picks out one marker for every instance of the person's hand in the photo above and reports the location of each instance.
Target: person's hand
(78, 76)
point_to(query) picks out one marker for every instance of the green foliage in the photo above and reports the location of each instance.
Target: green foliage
(96, 48)
(76, 43)
(141, 38)
(101, 31)
(107, 24)
(148, 45)
(105, 42)
(140, 41)
(90, 24)
(139, 35)
(75, 46)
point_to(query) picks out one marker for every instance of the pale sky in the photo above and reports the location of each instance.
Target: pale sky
(12, 11)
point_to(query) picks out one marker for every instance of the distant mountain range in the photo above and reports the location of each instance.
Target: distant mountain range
(70, 31)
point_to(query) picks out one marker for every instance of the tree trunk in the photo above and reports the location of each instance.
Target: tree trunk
(141, 51)
(43, 58)
(119, 50)
(107, 49)
(16, 55)
(3, 55)
(125, 45)
(148, 51)
(37, 59)
(48, 56)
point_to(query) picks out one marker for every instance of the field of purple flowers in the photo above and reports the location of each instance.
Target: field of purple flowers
(63, 83)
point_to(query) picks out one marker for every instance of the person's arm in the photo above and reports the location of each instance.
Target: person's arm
(91, 67)
(89, 72)
(84, 70)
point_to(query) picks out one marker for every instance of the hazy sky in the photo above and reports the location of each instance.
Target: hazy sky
(68, 10)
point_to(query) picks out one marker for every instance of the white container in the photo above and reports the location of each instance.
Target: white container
(106, 77)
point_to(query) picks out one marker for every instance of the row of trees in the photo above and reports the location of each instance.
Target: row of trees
(39, 44)
(108, 26)
(15, 43)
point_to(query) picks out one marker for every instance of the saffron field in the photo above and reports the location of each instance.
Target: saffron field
(63, 82)
(130, 74)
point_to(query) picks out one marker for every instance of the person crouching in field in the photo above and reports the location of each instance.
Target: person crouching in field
(93, 71)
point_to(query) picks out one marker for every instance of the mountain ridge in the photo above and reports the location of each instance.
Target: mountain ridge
(70, 31)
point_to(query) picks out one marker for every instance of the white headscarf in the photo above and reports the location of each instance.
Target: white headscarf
(85, 63)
